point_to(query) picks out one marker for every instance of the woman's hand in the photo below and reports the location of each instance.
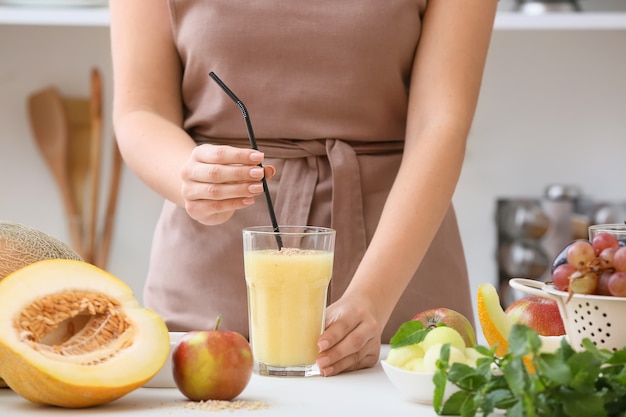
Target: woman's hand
(351, 340)
(217, 180)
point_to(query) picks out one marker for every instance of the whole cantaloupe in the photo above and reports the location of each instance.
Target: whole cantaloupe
(22, 245)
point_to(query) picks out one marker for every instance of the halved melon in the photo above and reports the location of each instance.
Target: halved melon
(21, 245)
(73, 335)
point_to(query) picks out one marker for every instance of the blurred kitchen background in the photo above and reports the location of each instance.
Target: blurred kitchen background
(551, 119)
(532, 232)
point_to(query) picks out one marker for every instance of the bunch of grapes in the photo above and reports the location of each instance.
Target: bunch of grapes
(597, 267)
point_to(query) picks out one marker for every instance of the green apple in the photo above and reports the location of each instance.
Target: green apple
(415, 364)
(442, 335)
(398, 357)
(433, 353)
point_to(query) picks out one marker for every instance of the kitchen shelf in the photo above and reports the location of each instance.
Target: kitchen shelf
(561, 21)
(99, 16)
(56, 16)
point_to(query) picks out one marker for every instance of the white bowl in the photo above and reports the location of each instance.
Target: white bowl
(164, 378)
(415, 386)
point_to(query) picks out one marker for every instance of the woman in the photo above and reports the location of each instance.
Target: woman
(361, 111)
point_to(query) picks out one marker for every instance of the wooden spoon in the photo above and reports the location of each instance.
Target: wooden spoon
(49, 125)
(95, 160)
(102, 256)
(78, 154)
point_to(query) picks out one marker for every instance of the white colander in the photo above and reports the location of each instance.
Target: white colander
(596, 317)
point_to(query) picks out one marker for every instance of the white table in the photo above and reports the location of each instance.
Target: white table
(366, 392)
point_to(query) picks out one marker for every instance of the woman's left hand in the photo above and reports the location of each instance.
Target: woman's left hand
(351, 339)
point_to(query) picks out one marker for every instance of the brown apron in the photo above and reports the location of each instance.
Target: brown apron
(325, 83)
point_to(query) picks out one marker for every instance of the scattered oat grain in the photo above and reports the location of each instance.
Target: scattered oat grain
(218, 405)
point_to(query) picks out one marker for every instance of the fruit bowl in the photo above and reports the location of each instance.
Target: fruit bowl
(415, 386)
(595, 317)
(164, 378)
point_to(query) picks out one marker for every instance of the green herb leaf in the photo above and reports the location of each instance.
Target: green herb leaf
(525, 382)
(466, 377)
(577, 404)
(456, 403)
(440, 380)
(408, 333)
(555, 369)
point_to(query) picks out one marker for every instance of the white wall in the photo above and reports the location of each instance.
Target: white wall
(33, 58)
(552, 110)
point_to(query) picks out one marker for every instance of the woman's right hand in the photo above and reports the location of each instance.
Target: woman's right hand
(219, 179)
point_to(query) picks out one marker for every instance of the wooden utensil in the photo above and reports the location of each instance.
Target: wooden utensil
(84, 119)
(78, 164)
(95, 161)
(68, 131)
(102, 255)
(49, 124)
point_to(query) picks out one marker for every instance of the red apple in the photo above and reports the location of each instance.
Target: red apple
(451, 318)
(212, 364)
(539, 313)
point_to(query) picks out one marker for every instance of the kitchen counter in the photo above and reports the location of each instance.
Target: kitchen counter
(367, 392)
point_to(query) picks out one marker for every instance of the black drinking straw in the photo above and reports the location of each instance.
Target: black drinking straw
(246, 118)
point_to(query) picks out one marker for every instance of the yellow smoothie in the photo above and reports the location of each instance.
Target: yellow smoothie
(286, 303)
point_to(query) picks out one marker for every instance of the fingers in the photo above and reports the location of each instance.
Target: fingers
(213, 212)
(270, 171)
(223, 164)
(351, 341)
(216, 180)
(343, 357)
(208, 187)
(221, 154)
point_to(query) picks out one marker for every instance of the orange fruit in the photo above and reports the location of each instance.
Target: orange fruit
(494, 323)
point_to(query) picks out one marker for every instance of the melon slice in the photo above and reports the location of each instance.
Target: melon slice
(73, 335)
(496, 325)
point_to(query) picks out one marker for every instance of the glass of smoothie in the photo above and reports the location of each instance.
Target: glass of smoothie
(616, 229)
(287, 276)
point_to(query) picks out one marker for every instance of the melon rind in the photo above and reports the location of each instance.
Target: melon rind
(21, 245)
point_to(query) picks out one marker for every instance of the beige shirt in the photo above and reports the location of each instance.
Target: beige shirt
(325, 84)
